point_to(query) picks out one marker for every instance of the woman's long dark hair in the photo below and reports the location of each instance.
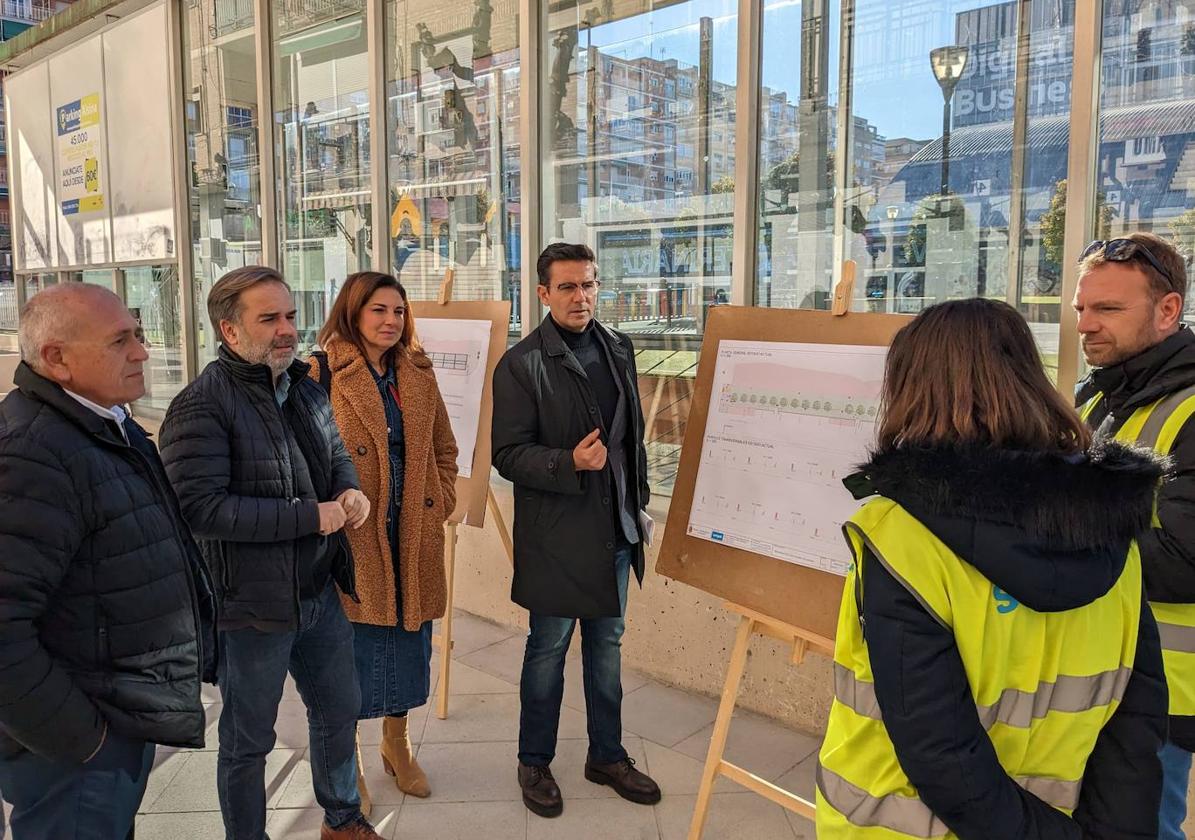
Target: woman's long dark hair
(968, 372)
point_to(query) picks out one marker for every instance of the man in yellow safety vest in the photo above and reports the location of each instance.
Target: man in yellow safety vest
(1130, 300)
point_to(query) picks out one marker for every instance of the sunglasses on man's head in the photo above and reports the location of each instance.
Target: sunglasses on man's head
(1123, 250)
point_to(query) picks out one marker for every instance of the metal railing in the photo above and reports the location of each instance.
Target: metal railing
(34, 12)
(8, 307)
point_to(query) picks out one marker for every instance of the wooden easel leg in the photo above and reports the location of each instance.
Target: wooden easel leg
(500, 524)
(446, 623)
(730, 693)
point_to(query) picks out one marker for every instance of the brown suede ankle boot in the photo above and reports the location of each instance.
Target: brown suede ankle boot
(398, 759)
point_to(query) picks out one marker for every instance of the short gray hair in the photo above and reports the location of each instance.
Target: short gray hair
(53, 315)
(224, 300)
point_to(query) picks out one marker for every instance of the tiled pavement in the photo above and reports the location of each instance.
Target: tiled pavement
(470, 761)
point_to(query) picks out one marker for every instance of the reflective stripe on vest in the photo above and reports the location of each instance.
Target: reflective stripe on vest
(1044, 684)
(912, 817)
(1157, 426)
(1015, 707)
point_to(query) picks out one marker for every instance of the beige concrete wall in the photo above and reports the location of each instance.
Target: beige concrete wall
(675, 633)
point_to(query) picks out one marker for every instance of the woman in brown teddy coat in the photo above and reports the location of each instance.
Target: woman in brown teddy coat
(396, 429)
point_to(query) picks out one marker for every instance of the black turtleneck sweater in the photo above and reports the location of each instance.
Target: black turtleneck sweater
(592, 357)
(1167, 552)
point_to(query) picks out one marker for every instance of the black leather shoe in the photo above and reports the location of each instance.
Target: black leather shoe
(627, 782)
(540, 792)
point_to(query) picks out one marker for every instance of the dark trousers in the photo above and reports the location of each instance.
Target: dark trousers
(541, 688)
(253, 667)
(93, 801)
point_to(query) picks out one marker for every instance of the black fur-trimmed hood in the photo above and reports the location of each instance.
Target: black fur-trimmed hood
(1051, 530)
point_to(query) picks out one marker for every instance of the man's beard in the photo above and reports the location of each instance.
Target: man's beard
(263, 355)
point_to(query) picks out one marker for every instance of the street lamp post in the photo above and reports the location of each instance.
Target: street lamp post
(948, 64)
(892, 211)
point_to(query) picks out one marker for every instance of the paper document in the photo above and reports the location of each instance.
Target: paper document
(786, 423)
(459, 351)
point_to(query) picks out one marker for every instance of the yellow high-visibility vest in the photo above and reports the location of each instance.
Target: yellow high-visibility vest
(1156, 426)
(1044, 684)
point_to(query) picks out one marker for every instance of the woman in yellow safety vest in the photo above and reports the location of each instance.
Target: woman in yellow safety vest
(995, 673)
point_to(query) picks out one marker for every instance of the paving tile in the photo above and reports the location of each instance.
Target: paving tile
(287, 823)
(465, 679)
(463, 821)
(678, 774)
(731, 815)
(802, 827)
(503, 660)
(761, 746)
(569, 768)
(593, 818)
(194, 786)
(800, 780)
(666, 715)
(484, 772)
(208, 825)
(167, 764)
(470, 633)
(492, 717)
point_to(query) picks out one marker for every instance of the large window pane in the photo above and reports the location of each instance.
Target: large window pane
(638, 129)
(452, 112)
(798, 111)
(152, 295)
(220, 101)
(321, 136)
(1146, 159)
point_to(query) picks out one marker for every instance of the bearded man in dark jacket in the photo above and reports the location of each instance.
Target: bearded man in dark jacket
(1130, 299)
(266, 485)
(106, 612)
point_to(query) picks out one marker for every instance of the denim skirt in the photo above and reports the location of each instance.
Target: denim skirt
(393, 667)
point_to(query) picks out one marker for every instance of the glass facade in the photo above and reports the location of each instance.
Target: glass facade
(220, 108)
(926, 140)
(321, 152)
(452, 149)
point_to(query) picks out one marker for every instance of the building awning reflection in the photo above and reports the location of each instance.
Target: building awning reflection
(1116, 125)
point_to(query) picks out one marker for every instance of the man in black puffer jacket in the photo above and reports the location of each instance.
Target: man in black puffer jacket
(106, 613)
(266, 485)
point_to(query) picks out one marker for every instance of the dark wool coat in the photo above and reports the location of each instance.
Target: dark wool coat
(564, 528)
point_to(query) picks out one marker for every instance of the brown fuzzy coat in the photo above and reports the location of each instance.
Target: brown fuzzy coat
(429, 488)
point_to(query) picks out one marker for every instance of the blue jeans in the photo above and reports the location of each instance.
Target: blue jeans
(252, 674)
(541, 688)
(93, 801)
(1176, 774)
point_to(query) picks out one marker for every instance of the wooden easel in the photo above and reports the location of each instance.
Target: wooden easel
(751, 623)
(443, 642)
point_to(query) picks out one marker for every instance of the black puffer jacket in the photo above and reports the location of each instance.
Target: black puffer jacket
(225, 445)
(104, 601)
(1168, 552)
(1052, 532)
